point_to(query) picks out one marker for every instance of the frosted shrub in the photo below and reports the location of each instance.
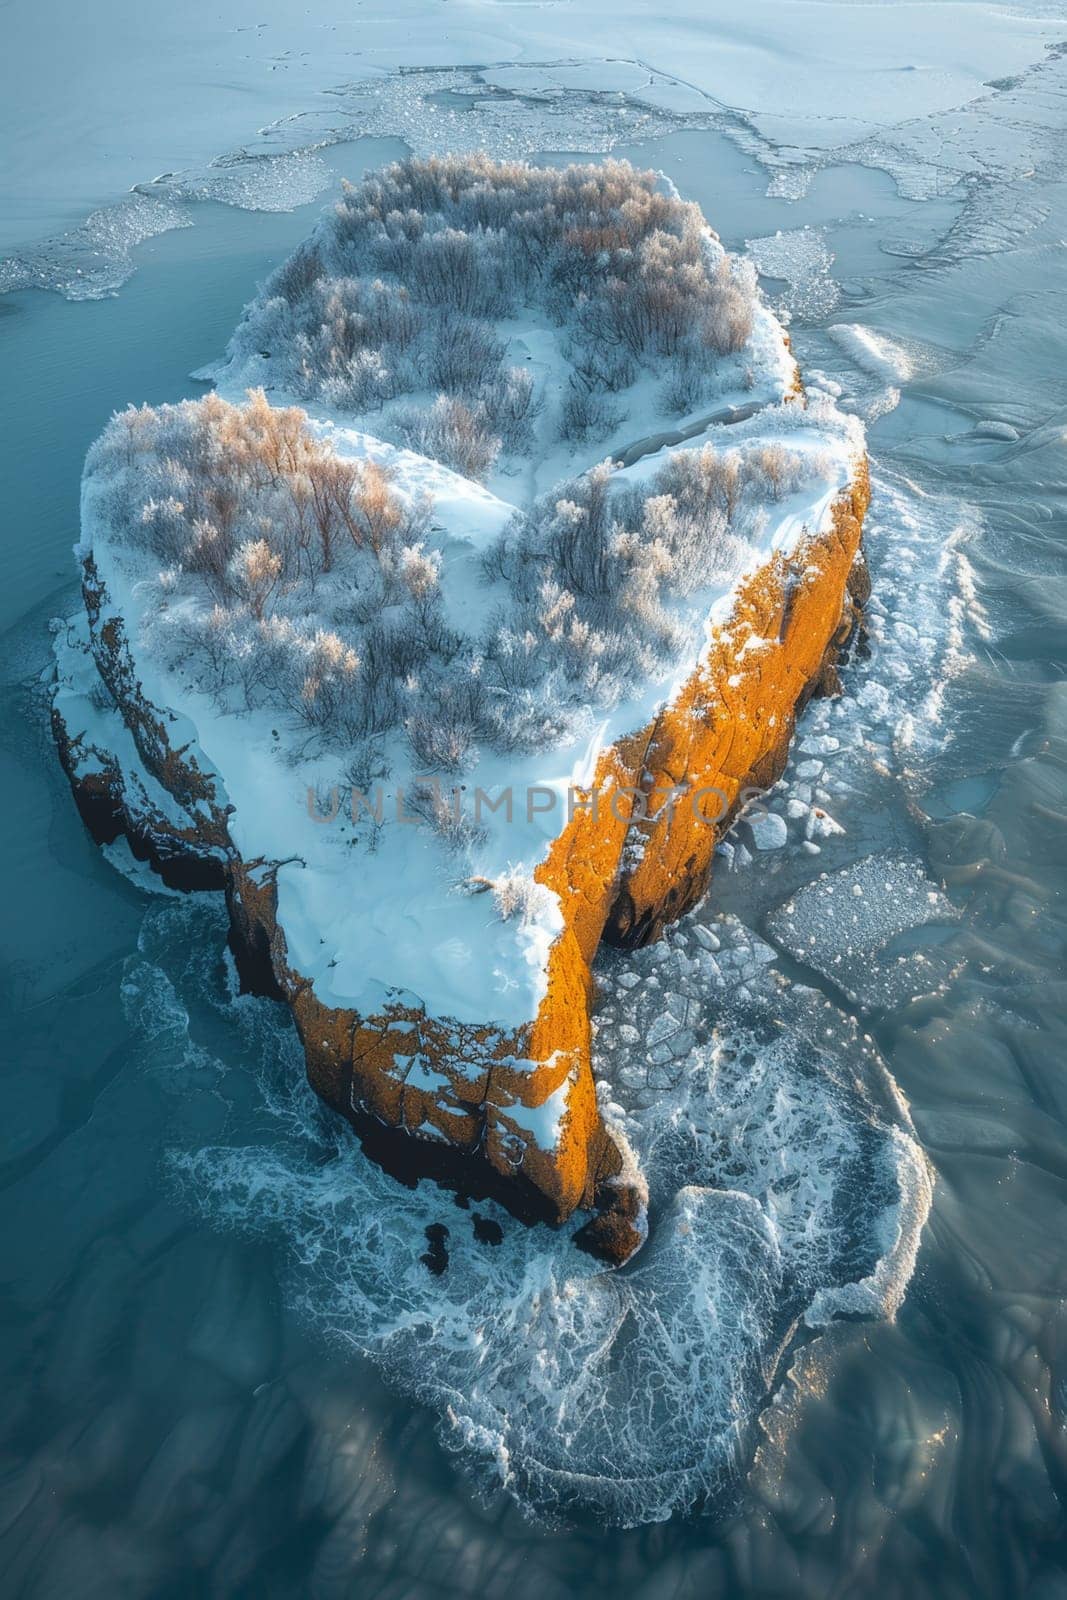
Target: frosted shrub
(531, 719)
(447, 726)
(165, 527)
(436, 745)
(777, 471)
(608, 367)
(510, 401)
(685, 389)
(392, 654)
(195, 641)
(452, 432)
(578, 532)
(254, 573)
(454, 268)
(518, 655)
(367, 765)
(421, 571)
(443, 811)
(463, 356)
(362, 382)
(585, 414)
(330, 693)
(295, 278)
(518, 896)
(648, 567)
(248, 665)
(726, 325)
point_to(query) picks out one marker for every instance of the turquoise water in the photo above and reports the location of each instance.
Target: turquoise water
(184, 1407)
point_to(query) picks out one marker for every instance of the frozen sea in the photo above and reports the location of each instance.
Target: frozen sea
(840, 1367)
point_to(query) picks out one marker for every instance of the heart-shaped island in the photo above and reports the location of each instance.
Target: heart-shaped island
(449, 634)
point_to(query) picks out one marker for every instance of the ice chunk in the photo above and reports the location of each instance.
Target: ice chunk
(842, 924)
(801, 258)
(769, 831)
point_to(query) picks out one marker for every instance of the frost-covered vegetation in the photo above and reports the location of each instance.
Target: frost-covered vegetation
(599, 579)
(275, 573)
(406, 300)
(288, 566)
(273, 557)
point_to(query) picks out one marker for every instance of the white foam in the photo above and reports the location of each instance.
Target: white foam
(876, 354)
(776, 1183)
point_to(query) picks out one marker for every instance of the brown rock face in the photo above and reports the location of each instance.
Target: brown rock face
(729, 729)
(433, 1097)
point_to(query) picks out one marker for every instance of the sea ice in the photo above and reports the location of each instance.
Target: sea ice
(769, 831)
(842, 924)
(802, 259)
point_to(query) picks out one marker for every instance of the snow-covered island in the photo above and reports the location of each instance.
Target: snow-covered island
(449, 633)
